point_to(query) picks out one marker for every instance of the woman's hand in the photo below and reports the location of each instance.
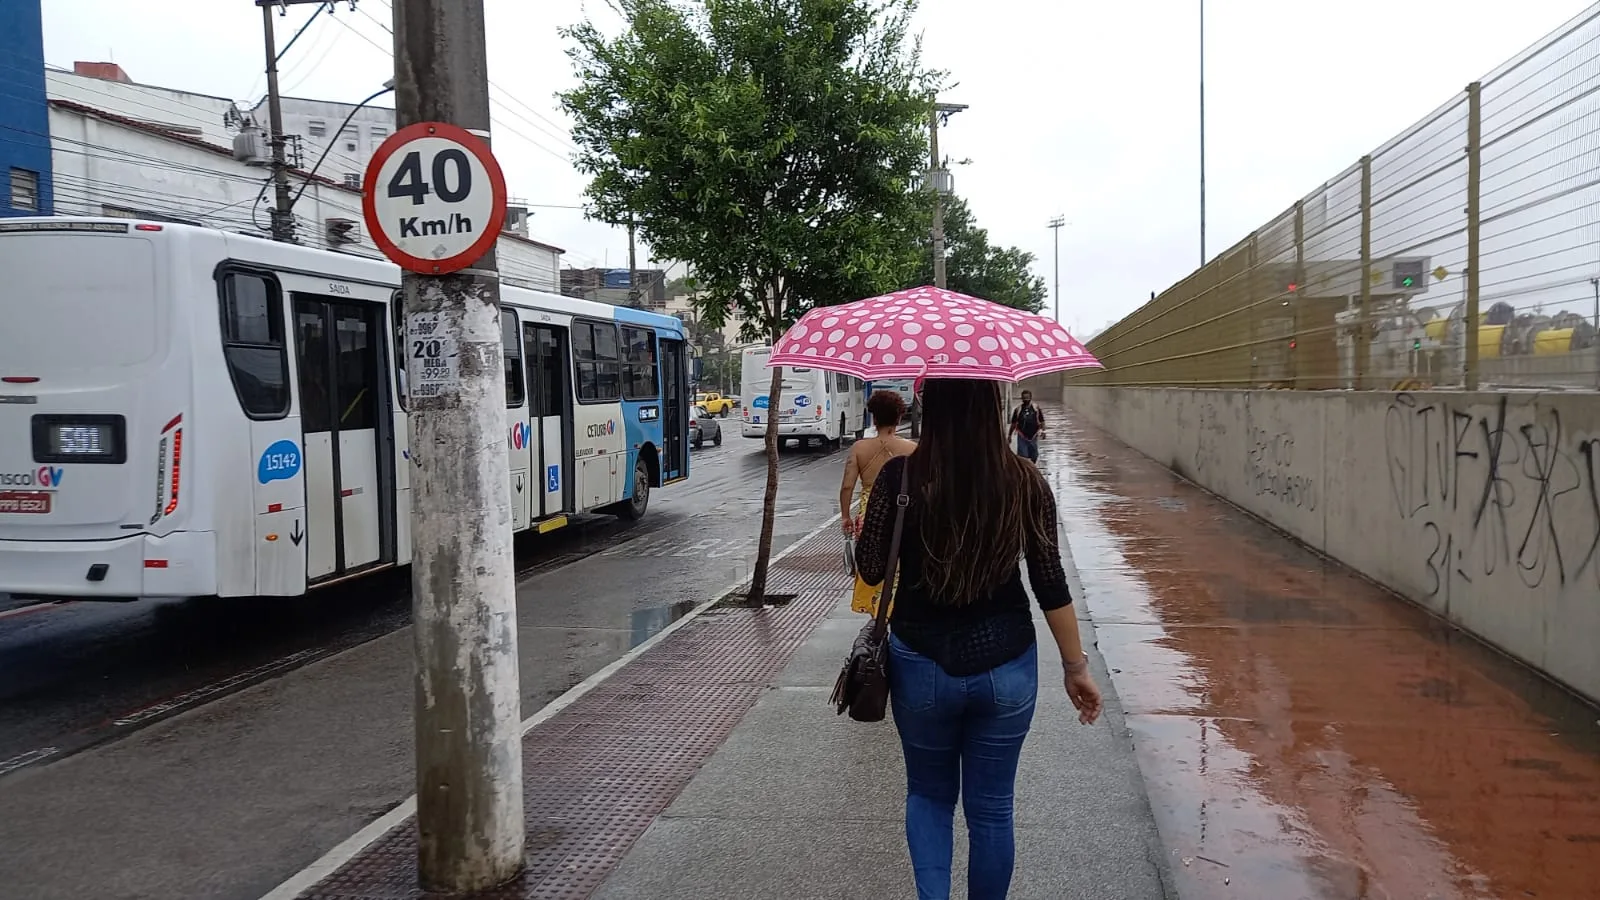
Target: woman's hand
(848, 526)
(1083, 692)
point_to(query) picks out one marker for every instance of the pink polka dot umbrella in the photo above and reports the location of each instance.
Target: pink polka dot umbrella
(930, 332)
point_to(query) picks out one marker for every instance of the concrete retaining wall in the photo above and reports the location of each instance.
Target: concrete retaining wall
(1483, 507)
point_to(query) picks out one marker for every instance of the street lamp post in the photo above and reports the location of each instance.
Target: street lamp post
(939, 182)
(1055, 226)
(1202, 132)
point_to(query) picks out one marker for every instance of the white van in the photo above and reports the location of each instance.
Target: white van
(815, 405)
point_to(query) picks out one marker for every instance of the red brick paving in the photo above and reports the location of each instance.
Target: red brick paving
(601, 770)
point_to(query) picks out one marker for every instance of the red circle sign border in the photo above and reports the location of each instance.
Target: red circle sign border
(497, 186)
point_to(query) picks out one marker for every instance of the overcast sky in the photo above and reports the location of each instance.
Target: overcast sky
(1084, 110)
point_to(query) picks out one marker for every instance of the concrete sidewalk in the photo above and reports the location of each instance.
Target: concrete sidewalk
(710, 766)
(801, 803)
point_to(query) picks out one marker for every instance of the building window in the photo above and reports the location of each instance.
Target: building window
(379, 133)
(24, 190)
(317, 128)
(352, 180)
(348, 135)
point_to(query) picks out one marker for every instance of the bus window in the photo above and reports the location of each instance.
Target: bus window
(608, 361)
(639, 378)
(253, 344)
(398, 320)
(594, 346)
(511, 347)
(841, 382)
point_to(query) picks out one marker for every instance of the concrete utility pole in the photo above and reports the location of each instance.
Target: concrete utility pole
(281, 214)
(1055, 226)
(468, 712)
(633, 269)
(939, 183)
(282, 211)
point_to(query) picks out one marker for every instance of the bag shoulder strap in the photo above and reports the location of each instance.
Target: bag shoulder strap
(901, 501)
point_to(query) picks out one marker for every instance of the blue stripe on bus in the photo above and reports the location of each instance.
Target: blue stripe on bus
(642, 419)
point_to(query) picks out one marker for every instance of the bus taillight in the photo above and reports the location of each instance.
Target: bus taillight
(177, 465)
(168, 459)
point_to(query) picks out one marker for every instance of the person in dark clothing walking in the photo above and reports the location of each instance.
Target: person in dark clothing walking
(1027, 423)
(963, 656)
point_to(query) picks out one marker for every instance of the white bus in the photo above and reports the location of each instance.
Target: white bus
(816, 405)
(188, 412)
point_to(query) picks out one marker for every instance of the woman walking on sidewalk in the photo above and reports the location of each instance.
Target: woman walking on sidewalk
(963, 659)
(867, 458)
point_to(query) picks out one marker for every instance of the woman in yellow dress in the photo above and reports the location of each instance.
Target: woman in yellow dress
(867, 458)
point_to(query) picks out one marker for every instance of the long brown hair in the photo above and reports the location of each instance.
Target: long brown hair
(982, 505)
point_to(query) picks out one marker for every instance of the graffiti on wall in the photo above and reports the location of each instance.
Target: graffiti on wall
(1210, 439)
(1510, 490)
(1270, 469)
(1271, 464)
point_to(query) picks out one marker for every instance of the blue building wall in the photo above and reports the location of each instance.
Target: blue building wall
(24, 112)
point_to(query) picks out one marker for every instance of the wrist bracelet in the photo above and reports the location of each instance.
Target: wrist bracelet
(1073, 668)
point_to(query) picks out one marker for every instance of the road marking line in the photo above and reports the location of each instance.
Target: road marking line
(23, 760)
(331, 861)
(191, 697)
(33, 607)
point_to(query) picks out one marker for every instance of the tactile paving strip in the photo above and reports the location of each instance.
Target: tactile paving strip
(598, 773)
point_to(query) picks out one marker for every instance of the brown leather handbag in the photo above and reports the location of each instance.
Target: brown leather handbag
(863, 684)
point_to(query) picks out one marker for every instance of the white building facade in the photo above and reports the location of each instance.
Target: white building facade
(137, 151)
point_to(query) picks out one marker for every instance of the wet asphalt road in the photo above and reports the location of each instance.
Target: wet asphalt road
(211, 748)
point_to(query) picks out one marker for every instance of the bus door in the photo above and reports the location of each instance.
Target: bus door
(675, 416)
(521, 425)
(547, 349)
(339, 352)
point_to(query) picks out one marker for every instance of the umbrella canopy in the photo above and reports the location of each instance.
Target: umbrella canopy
(931, 332)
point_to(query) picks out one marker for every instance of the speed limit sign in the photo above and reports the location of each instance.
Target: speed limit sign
(434, 198)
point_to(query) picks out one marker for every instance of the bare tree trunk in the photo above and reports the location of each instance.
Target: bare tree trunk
(769, 502)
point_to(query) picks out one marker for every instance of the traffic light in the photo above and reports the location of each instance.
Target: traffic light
(1416, 343)
(1409, 273)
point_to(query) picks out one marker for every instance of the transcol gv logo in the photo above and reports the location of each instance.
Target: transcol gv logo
(521, 436)
(44, 476)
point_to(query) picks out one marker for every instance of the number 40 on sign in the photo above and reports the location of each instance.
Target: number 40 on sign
(434, 198)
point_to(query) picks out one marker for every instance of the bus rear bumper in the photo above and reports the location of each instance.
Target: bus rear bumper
(786, 430)
(182, 564)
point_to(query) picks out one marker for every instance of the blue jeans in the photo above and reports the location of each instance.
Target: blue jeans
(1026, 448)
(961, 735)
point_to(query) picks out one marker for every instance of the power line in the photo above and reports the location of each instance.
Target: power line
(565, 130)
(500, 122)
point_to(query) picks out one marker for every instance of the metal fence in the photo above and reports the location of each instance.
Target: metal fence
(1463, 253)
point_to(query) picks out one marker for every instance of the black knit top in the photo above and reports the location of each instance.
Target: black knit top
(963, 640)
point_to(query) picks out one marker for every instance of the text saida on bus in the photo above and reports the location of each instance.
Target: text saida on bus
(189, 412)
(816, 405)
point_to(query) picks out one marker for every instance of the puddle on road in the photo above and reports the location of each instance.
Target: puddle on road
(1304, 734)
(647, 623)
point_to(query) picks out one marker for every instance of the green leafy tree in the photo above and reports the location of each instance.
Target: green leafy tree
(975, 267)
(770, 144)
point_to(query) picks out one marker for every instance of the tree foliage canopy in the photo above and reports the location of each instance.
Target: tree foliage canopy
(977, 268)
(772, 144)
